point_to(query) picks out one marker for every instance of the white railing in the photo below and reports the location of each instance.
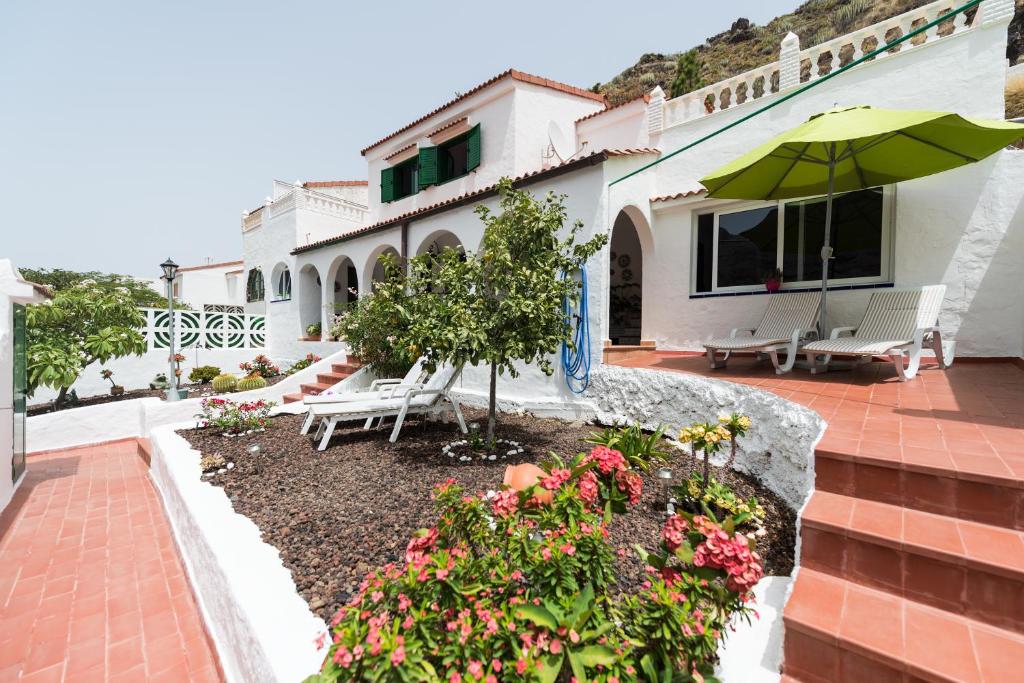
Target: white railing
(334, 206)
(251, 221)
(205, 329)
(797, 66)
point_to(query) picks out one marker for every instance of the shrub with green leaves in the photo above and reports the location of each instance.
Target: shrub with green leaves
(303, 363)
(505, 588)
(719, 502)
(203, 373)
(641, 450)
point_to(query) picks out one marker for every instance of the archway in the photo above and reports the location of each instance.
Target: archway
(625, 282)
(346, 283)
(309, 298)
(376, 268)
(436, 242)
(281, 282)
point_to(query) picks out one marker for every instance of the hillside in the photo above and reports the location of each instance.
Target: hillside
(746, 45)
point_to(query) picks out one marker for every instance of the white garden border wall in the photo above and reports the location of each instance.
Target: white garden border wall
(137, 417)
(262, 628)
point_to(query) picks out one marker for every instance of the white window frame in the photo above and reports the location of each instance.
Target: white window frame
(717, 209)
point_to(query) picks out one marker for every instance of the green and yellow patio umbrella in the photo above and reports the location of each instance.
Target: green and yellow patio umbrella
(856, 148)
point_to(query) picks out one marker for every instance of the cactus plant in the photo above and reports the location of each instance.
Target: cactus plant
(251, 382)
(222, 384)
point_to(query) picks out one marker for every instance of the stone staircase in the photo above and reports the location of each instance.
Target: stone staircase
(912, 569)
(324, 381)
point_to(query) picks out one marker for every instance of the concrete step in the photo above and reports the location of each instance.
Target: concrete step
(291, 398)
(964, 567)
(980, 488)
(838, 631)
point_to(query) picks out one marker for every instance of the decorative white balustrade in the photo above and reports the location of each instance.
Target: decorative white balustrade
(251, 221)
(205, 329)
(797, 66)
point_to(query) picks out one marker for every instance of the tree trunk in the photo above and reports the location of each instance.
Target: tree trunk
(732, 455)
(58, 403)
(707, 474)
(492, 402)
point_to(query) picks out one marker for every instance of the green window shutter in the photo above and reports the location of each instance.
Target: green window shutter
(387, 184)
(473, 148)
(428, 174)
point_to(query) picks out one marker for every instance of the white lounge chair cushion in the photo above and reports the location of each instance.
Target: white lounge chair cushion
(374, 405)
(735, 343)
(854, 346)
(785, 314)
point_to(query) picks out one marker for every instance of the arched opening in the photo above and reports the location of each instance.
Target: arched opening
(346, 283)
(377, 269)
(437, 242)
(281, 282)
(625, 282)
(309, 299)
(254, 286)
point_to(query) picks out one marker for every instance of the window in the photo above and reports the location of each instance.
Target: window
(283, 284)
(451, 159)
(254, 286)
(736, 249)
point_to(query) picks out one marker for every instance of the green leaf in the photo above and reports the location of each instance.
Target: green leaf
(552, 667)
(685, 552)
(594, 655)
(538, 615)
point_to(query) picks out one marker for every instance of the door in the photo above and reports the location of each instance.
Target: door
(20, 387)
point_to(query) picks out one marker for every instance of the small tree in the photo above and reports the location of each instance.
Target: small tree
(59, 280)
(82, 324)
(688, 76)
(504, 303)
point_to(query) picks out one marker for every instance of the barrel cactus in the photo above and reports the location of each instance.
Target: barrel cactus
(222, 384)
(251, 382)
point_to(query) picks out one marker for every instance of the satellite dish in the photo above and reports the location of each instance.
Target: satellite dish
(559, 143)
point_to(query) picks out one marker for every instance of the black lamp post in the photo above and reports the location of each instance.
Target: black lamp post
(170, 269)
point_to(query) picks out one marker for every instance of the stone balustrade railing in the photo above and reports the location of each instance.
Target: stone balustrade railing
(253, 220)
(796, 66)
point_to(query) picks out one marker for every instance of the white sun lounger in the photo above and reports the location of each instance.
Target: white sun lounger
(433, 398)
(897, 322)
(788, 319)
(379, 388)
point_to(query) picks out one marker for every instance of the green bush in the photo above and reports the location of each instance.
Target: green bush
(640, 450)
(203, 373)
(303, 364)
(222, 384)
(313, 330)
(504, 588)
(251, 382)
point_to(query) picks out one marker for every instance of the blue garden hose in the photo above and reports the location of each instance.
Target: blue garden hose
(576, 356)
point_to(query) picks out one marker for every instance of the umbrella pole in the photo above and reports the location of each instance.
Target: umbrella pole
(826, 249)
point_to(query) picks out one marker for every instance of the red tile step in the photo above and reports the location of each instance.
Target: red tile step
(970, 487)
(324, 381)
(964, 567)
(838, 631)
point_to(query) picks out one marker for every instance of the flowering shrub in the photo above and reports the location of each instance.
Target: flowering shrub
(303, 364)
(260, 365)
(640, 450)
(719, 501)
(707, 438)
(737, 425)
(234, 418)
(602, 477)
(506, 589)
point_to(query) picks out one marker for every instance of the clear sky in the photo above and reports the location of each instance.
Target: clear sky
(134, 130)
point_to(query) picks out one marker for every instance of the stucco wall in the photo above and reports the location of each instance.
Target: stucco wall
(262, 628)
(208, 286)
(962, 228)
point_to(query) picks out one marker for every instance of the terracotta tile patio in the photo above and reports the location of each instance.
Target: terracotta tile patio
(912, 554)
(91, 584)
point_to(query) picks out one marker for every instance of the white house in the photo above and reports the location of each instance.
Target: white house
(681, 268)
(14, 294)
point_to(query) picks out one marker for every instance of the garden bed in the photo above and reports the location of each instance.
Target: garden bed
(195, 390)
(337, 514)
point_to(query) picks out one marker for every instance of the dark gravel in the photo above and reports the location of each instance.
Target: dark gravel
(336, 514)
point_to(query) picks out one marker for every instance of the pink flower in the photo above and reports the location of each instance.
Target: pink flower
(555, 479)
(568, 548)
(496, 664)
(476, 669)
(342, 657)
(631, 484)
(608, 459)
(505, 503)
(521, 667)
(546, 553)
(673, 533)
(588, 487)
(555, 647)
(419, 545)
(455, 677)
(398, 656)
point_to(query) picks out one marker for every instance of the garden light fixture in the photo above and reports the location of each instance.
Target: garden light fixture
(663, 475)
(255, 450)
(170, 269)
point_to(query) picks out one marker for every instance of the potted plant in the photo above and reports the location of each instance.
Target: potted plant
(773, 281)
(313, 331)
(115, 390)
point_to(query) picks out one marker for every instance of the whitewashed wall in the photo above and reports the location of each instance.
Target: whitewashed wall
(208, 285)
(963, 228)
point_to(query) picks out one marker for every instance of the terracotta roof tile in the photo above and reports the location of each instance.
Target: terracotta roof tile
(511, 73)
(631, 151)
(525, 179)
(335, 183)
(399, 151)
(679, 195)
(644, 97)
(210, 265)
(450, 124)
